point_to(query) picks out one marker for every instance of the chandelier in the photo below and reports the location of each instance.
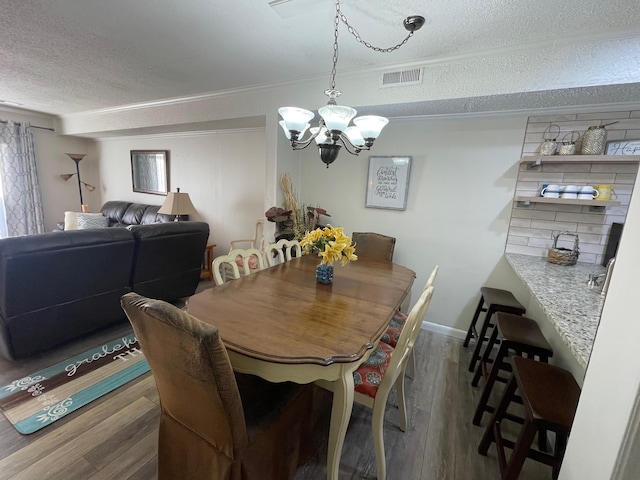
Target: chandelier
(333, 130)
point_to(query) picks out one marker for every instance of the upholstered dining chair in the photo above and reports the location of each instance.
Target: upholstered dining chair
(215, 424)
(384, 368)
(374, 246)
(397, 323)
(282, 251)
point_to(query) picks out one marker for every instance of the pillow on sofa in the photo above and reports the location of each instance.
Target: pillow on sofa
(71, 220)
(92, 220)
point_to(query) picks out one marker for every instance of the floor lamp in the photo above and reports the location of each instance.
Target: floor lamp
(76, 157)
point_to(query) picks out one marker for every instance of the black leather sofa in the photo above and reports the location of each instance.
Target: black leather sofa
(123, 214)
(58, 286)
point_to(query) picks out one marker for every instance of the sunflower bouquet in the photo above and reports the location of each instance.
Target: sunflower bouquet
(331, 244)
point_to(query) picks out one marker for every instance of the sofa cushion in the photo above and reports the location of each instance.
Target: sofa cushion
(58, 286)
(168, 259)
(151, 215)
(114, 210)
(133, 214)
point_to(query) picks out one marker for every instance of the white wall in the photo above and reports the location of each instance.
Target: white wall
(612, 382)
(461, 187)
(223, 173)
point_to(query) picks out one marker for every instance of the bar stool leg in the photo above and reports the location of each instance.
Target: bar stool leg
(485, 357)
(473, 322)
(491, 380)
(561, 446)
(520, 450)
(488, 435)
(483, 332)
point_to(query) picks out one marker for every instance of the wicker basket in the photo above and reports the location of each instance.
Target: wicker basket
(563, 256)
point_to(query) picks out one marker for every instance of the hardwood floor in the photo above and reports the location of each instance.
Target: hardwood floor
(115, 436)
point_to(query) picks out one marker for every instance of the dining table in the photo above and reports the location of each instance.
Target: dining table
(282, 325)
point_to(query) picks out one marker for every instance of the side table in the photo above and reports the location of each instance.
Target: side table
(207, 270)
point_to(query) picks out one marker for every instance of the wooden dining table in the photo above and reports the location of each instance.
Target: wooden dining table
(281, 325)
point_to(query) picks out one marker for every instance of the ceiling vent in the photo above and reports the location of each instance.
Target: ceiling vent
(401, 78)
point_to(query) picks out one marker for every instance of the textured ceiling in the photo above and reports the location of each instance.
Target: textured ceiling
(66, 56)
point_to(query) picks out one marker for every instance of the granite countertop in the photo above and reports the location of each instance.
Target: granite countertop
(572, 307)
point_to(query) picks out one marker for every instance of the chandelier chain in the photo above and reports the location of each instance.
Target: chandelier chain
(336, 24)
(359, 39)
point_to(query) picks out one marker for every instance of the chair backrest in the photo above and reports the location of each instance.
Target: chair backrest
(432, 277)
(374, 246)
(248, 260)
(256, 242)
(225, 268)
(199, 398)
(407, 338)
(281, 251)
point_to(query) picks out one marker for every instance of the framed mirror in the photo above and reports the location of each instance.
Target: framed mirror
(149, 171)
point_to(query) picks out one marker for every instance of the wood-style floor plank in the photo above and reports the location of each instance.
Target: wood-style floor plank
(116, 436)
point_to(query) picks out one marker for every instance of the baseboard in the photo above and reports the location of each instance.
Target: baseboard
(444, 330)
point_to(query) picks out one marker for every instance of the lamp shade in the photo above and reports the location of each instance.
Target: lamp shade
(354, 136)
(370, 126)
(177, 203)
(295, 119)
(287, 133)
(322, 137)
(337, 117)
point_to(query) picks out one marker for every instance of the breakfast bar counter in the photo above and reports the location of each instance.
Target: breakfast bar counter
(568, 302)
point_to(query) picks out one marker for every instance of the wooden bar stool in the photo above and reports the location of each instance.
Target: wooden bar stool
(550, 397)
(519, 336)
(492, 300)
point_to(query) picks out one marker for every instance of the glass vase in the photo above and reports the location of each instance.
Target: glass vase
(324, 273)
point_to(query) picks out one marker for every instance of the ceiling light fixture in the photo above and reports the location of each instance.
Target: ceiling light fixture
(333, 126)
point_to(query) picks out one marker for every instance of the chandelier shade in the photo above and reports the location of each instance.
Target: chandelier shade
(355, 136)
(296, 119)
(322, 135)
(336, 117)
(334, 130)
(370, 126)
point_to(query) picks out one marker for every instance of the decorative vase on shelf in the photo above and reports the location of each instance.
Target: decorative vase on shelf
(324, 273)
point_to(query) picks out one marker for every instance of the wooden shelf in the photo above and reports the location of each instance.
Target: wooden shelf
(566, 201)
(535, 160)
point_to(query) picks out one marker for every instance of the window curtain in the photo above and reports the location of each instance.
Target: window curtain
(20, 191)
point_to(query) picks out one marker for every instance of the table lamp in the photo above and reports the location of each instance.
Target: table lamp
(177, 204)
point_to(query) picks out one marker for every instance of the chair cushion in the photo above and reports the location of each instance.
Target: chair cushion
(391, 336)
(253, 262)
(368, 377)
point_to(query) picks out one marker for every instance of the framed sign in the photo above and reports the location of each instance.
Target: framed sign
(149, 171)
(623, 147)
(388, 182)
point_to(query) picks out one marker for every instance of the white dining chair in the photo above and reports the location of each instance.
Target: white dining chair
(248, 260)
(224, 269)
(397, 323)
(282, 251)
(256, 242)
(384, 368)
